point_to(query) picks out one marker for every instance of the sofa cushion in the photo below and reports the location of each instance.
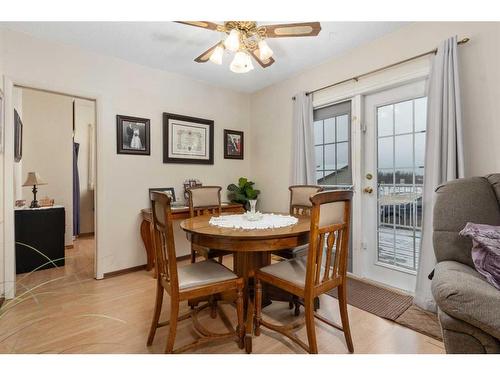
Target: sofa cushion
(461, 292)
(494, 180)
(458, 202)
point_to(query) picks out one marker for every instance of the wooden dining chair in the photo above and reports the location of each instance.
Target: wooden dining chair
(323, 269)
(205, 200)
(299, 205)
(195, 280)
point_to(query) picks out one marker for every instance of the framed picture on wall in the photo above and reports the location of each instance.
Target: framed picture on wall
(187, 140)
(132, 135)
(18, 137)
(233, 144)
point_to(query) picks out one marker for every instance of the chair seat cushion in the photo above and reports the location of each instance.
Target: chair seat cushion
(291, 270)
(203, 273)
(461, 292)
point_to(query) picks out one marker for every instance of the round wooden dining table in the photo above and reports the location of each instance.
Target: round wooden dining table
(251, 250)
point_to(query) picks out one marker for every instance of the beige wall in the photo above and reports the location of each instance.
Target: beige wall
(47, 149)
(84, 127)
(271, 108)
(129, 89)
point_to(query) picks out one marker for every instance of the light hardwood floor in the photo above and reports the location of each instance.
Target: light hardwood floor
(66, 311)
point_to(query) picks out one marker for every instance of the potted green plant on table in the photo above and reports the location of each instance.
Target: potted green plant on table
(244, 193)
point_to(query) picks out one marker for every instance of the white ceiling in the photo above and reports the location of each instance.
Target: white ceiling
(172, 47)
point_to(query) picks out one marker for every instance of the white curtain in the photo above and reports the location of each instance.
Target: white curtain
(444, 156)
(303, 156)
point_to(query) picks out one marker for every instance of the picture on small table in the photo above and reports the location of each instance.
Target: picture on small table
(132, 135)
(169, 191)
(233, 144)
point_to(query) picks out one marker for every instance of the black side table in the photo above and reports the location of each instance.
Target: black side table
(43, 230)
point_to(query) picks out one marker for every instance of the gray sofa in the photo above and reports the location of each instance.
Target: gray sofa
(468, 306)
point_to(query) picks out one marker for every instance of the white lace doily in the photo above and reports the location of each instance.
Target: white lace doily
(267, 221)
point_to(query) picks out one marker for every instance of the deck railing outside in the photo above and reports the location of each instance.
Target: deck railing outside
(400, 224)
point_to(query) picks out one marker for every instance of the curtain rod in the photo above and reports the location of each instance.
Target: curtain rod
(356, 78)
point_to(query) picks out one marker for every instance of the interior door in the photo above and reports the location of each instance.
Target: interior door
(394, 149)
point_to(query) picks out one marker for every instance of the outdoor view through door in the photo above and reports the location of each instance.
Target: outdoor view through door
(400, 173)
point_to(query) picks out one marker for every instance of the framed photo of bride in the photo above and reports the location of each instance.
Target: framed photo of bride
(132, 135)
(187, 140)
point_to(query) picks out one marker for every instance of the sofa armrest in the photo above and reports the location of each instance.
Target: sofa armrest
(461, 292)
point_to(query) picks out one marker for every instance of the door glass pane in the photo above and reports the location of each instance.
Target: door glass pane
(403, 117)
(319, 157)
(403, 176)
(330, 157)
(385, 152)
(420, 114)
(385, 119)
(342, 155)
(329, 130)
(403, 151)
(419, 149)
(332, 138)
(318, 132)
(385, 176)
(342, 128)
(400, 183)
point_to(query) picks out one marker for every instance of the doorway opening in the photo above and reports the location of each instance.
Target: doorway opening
(54, 188)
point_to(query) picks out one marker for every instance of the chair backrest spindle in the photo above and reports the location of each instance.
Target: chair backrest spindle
(329, 239)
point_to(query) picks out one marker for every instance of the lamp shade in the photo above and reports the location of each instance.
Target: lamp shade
(232, 42)
(241, 63)
(33, 179)
(216, 56)
(265, 52)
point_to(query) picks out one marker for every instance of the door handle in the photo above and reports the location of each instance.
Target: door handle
(368, 190)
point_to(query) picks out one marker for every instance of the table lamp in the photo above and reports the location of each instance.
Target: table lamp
(34, 179)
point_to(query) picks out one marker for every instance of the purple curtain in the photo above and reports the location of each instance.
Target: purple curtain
(76, 191)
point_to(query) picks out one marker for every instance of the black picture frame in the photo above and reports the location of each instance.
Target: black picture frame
(144, 136)
(230, 150)
(169, 190)
(168, 125)
(18, 137)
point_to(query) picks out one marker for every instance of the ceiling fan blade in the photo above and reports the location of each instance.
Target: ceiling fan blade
(203, 58)
(264, 64)
(293, 30)
(202, 24)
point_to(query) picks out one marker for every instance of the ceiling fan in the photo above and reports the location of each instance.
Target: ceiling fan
(246, 38)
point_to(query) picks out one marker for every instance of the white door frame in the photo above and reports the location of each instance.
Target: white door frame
(356, 91)
(9, 231)
(9, 254)
(375, 270)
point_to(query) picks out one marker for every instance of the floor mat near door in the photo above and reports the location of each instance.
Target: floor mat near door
(392, 305)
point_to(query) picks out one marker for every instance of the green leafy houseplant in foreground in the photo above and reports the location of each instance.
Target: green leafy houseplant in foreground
(243, 192)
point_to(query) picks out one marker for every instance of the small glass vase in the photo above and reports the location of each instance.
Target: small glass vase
(253, 204)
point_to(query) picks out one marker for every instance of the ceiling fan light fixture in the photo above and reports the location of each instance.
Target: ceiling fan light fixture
(241, 63)
(216, 56)
(265, 52)
(232, 42)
